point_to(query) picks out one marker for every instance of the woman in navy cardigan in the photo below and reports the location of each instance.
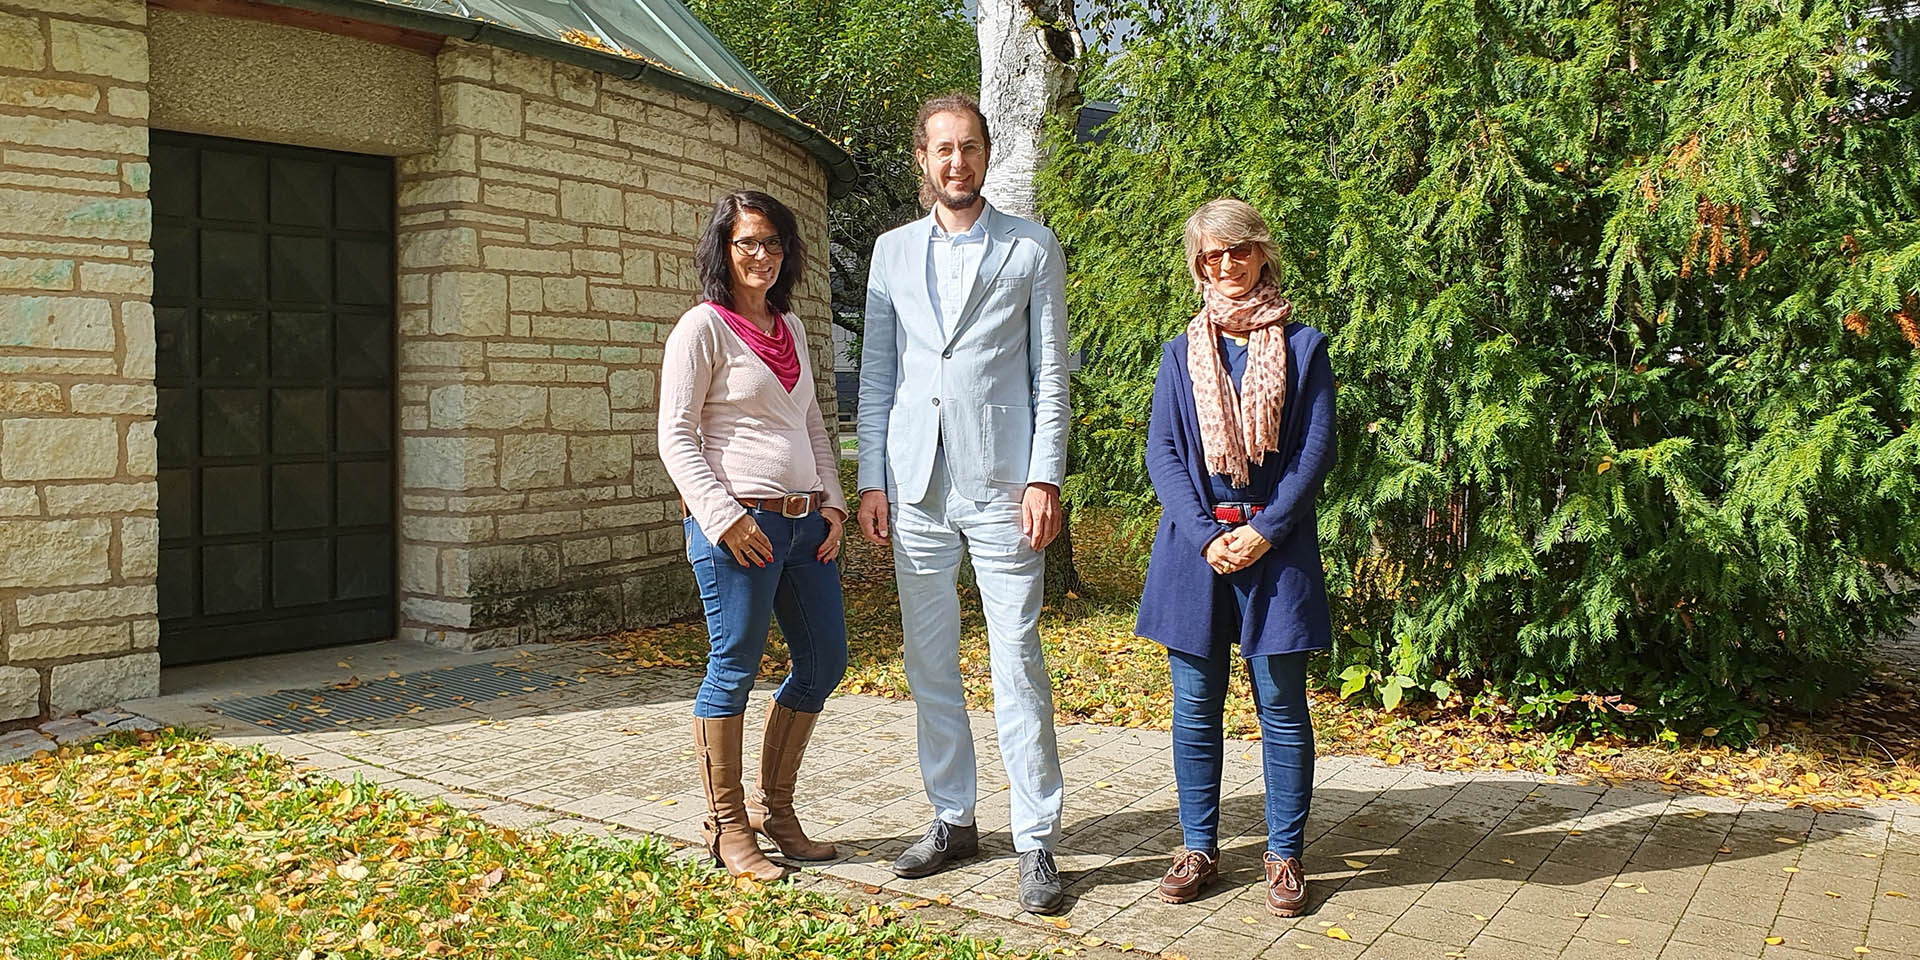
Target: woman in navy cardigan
(1241, 436)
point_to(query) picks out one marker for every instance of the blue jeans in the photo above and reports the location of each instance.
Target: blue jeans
(741, 601)
(1286, 744)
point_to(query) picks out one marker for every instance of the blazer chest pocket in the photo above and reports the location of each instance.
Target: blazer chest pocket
(1007, 435)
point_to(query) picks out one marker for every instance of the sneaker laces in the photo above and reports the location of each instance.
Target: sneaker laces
(1039, 866)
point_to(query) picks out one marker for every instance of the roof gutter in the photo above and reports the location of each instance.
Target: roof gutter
(835, 160)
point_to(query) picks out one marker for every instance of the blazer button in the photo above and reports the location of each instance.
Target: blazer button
(947, 355)
(936, 401)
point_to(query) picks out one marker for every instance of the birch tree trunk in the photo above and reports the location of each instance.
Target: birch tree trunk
(1028, 52)
(1028, 49)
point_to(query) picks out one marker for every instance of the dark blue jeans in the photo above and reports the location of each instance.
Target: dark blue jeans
(1286, 744)
(742, 600)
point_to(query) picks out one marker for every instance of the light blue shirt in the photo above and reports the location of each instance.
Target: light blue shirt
(953, 260)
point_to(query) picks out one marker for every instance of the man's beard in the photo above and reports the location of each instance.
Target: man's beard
(953, 201)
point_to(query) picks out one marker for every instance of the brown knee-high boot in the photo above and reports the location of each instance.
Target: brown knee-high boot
(771, 808)
(716, 741)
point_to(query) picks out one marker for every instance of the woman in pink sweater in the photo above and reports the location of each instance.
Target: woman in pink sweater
(743, 440)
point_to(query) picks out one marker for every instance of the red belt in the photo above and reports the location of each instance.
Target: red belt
(1236, 512)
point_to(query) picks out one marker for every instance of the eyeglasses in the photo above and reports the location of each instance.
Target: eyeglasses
(751, 246)
(1239, 251)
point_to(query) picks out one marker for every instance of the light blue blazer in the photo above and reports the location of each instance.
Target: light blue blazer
(991, 387)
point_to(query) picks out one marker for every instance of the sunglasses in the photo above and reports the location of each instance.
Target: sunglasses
(1239, 251)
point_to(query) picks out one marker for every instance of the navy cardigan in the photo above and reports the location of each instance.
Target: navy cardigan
(1186, 606)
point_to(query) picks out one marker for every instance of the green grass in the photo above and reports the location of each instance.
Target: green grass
(178, 847)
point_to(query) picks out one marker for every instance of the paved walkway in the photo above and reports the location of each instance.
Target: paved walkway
(1404, 863)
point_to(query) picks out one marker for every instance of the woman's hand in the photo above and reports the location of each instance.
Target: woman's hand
(747, 542)
(836, 527)
(1245, 545)
(1219, 556)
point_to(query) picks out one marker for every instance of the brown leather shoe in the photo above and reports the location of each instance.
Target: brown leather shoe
(1192, 870)
(1286, 886)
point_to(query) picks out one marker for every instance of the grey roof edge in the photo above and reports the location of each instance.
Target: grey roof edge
(833, 158)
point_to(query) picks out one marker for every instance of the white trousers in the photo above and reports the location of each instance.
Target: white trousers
(928, 539)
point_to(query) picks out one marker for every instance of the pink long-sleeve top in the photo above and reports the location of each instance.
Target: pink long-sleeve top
(728, 429)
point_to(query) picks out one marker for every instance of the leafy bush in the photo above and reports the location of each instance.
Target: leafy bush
(1622, 299)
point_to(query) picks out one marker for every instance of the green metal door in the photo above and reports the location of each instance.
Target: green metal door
(273, 308)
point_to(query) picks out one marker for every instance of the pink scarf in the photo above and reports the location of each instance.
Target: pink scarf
(775, 349)
(1234, 431)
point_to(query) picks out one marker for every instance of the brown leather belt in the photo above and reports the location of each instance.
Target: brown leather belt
(793, 506)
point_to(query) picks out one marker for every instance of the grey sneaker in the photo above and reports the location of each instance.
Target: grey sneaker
(942, 844)
(1040, 890)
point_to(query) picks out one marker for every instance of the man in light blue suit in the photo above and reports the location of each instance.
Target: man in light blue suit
(963, 433)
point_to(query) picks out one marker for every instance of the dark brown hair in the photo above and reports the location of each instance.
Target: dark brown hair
(715, 262)
(954, 102)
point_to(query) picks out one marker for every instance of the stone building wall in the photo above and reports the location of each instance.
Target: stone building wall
(78, 530)
(546, 248)
(545, 245)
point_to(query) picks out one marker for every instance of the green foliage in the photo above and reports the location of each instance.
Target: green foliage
(1622, 305)
(857, 70)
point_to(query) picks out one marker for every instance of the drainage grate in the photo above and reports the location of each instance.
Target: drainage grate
(388, 697)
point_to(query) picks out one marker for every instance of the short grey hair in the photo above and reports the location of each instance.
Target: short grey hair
(1228, 221)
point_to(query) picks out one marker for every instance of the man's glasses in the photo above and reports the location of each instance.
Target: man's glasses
(751, 246)
(1239, 251)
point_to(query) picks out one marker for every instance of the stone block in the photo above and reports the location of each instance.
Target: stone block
(71, 606)
(139, 547)
(572, 614)
(565, 293)
(583, 202)
(55, 323)
(91, 684)
(94, 498)
(569, 120)
(658, 595)
(528, 260)
(146, 633)
(522, 71)
(600, 459)
(581, 408)
(446, 529)
(63, 133)
(113, 398)
(517, 526)
(19, 397)
(143, 454)
(117, 278)
(633, 389)
(136, 322)
(419, 568)
(469, 304)
(138, 176)
(19, 694)
(602, 262)
(524, 294)
(580, 553)
(510, 568)
(99, 50)
(447, 463)
(23, 501)
(488, 406)
(480, 108)
(439, 190)
(443, 247)
(21, 273)
(529, 460)
(132, 104)
(22, 46)
(65, 642)
(647, 213)
(59, 449)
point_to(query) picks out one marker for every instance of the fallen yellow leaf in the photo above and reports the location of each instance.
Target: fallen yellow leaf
(1897, 894)
(1063, 923)
(1789, 869)
(1338, 934)
(1776, 941)
(1357, 864)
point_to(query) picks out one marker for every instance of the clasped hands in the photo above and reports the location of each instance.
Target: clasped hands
(1237, 549)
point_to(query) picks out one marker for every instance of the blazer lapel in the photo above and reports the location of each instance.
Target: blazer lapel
(992, 261)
